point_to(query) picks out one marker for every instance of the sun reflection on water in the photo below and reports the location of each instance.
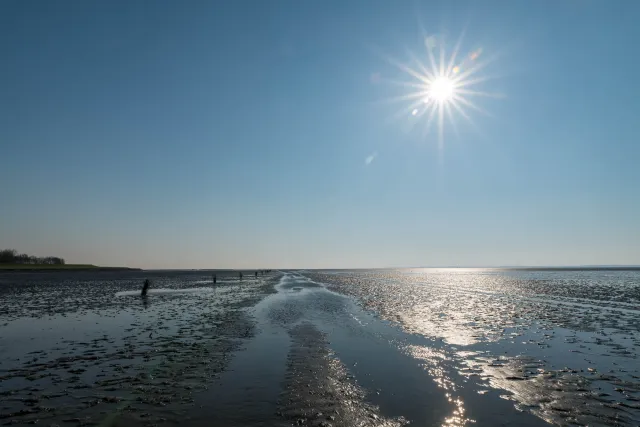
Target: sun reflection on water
(457, 418)
(579, 330)
(432, 361)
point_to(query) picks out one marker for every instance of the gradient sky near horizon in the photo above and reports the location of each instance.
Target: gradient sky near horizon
(248, 134)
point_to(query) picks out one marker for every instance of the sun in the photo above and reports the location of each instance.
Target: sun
(442, 89)
(441, 86)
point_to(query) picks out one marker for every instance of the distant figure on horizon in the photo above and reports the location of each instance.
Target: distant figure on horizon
(240, 274)
(215, 279)
(256, 274)
(145, 288)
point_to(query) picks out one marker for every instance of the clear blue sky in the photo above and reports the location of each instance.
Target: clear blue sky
(212, 134)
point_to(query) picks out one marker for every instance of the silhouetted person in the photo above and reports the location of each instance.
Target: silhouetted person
(145, 288)
(215, 279)
(240, 274)
(256, 274)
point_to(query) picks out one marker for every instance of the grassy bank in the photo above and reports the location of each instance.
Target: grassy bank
(49, 267)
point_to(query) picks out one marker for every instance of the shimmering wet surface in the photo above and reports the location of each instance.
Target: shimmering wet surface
(343, 366)
(345, 348)
(562, 345)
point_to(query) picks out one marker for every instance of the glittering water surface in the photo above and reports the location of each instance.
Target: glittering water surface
(563, 345)
(423, 347)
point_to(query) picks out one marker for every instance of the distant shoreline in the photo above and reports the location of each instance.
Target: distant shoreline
(61, 267)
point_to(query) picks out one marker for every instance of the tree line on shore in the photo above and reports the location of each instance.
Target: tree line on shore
(11, 256)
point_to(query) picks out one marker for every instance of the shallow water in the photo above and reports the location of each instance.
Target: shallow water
(562, 345)
(322, 348)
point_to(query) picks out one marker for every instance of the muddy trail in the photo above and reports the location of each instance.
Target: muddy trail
(319, 359)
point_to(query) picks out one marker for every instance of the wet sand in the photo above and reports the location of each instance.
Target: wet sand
(379, 348)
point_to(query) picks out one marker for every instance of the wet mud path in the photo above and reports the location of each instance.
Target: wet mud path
(318, 359)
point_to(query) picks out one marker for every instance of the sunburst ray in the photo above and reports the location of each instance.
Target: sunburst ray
(441, 85)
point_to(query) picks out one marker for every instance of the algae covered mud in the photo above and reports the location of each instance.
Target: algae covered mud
(322, 348)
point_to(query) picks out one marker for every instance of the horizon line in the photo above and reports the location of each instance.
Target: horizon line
(511, 267)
